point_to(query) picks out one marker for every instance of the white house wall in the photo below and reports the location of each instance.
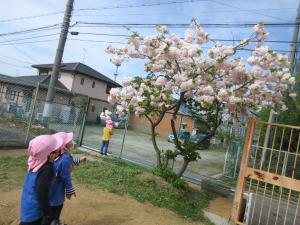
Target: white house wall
(67, 80)
(99, 91)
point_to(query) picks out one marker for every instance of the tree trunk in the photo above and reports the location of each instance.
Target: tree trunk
(183, 167)
(158, 159)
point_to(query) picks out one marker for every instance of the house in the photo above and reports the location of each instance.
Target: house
(82, 79)
(16, 93)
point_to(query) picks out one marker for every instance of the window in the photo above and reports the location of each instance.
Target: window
(108, 89)
(82, 81)
(93, 85)
(10, 94)
(93, 108)
(43, 73)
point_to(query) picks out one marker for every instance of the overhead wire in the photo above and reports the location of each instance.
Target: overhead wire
(146, 5)
(43, 28)
(139, 5)
(26, 38)
(31, 17)
(11, 64)
(175, 13)
(181, 25)
(15, 59)
(248, 10)
(213, 39)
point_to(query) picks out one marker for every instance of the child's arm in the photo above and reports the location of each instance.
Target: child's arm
(77, 161)
(65, 174)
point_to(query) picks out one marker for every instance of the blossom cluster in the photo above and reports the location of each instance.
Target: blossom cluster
(179, 67)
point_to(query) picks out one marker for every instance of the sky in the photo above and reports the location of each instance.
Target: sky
(19, 51)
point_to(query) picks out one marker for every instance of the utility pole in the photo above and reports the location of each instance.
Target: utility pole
(57, 63)
(295, 38)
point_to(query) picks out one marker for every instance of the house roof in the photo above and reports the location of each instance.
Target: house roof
(32, 81)
(80, 68)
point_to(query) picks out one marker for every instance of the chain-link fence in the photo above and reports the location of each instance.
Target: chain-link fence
(234, 152)
(135, 144)
(14, 114)
(22, 110)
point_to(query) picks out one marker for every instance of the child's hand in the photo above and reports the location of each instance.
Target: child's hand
(83, 159)
(68, 196)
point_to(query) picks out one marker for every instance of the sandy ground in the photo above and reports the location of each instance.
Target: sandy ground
(96, 207)
(12, 152)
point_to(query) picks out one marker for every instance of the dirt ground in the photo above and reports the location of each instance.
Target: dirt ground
(12, 152)
(97, 207)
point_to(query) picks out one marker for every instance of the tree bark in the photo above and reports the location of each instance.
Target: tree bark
(183, 167)
(153, 137)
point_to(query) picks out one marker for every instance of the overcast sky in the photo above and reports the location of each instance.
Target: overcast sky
(16, 56)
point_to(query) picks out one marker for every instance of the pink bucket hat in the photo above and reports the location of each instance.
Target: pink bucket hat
(109, 124)
(67, 137)
(40, 148)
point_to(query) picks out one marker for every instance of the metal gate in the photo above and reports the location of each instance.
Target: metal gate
(268, 188)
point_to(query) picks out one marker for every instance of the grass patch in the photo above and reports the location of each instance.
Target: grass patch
(121, 178)
(12, 172)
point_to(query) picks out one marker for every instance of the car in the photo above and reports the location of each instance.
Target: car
(120, 124)
(183, 136)
(171, 137)
(198, 139)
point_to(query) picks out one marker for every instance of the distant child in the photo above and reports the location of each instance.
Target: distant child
(107, 132)
(42, 150)
(62, 186)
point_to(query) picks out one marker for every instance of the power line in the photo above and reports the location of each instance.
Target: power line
(140, 5)
(26, 38)
(31, 30)
(247, 10)
(176, 13)
(31, 17)
(18, 60)
(14, 65)
(28, 42)
(101, 41)
(184, 25)
(213, 39)
(147, 5)
(116, 42)
(21, 51)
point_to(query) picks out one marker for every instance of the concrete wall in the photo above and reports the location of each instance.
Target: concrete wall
(164, 128)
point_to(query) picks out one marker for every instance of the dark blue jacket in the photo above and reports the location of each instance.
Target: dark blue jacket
(62, 184)
(30, 208)
(35, 194)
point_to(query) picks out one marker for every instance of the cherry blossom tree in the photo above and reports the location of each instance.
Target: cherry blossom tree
(216, 85)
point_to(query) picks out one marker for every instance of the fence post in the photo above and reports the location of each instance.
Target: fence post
(32, 109)
(82, 126)
(124, 135)
(236, 162)
(244, 163)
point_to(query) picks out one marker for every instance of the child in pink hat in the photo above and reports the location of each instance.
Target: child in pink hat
(107, 132)
(62, 186)
(42, 150)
